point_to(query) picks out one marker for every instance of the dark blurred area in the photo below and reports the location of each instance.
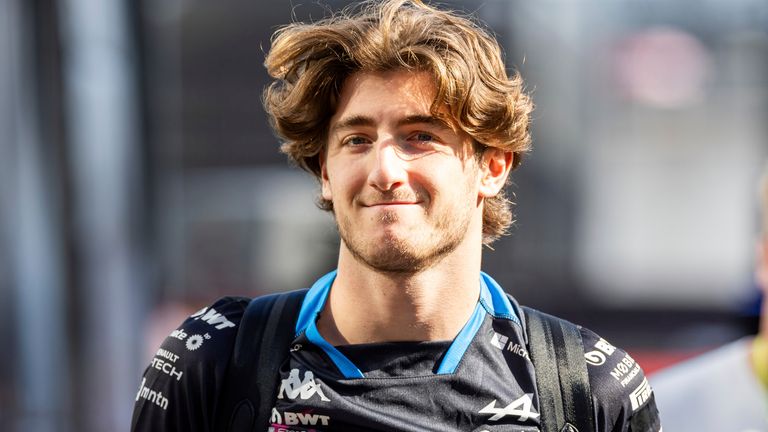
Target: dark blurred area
(139, 180)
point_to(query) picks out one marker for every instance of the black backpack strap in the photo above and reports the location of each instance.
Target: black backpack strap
(557, 353)
(261, 346)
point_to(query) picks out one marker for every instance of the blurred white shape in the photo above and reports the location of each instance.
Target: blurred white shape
(662, 67)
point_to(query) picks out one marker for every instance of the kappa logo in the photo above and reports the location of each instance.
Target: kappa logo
(292, 387)
(521, 407)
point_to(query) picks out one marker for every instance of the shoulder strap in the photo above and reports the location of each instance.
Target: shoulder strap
(557, 353)
(261, 346)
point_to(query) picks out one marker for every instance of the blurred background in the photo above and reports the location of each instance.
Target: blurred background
(139, 180)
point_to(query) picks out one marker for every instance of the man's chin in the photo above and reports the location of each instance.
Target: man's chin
(398, 264)
(390, 254)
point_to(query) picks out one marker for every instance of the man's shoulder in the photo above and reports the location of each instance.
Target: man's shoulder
(622, 398)
(203, 342)
(613, 373)
(621, 392)
(188, 369)
(208, 333)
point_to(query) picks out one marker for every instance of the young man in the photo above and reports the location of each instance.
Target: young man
(727, 388)
(408, 119)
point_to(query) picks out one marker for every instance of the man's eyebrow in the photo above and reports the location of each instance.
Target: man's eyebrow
(361, 120)
(424, 119)
(357, 120)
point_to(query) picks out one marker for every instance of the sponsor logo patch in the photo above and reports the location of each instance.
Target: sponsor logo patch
(521, 407)
(152, 396)
(179, 334)
(598, 356)
(213, 318)
(287, 418)
(625, 371)
(192, 342)
(502, 342)
(641, 394)
(293, 387)
(499, 341)
(519, 350)
(281, 428)
(196, 341)
(167, 355)
(167, 368)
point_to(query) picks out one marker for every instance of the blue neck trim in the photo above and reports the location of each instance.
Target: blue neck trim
(492, 301)
(314, 301)
(495, 300)
(307, 323)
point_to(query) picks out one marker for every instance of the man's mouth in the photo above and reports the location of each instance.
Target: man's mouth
(392, 203)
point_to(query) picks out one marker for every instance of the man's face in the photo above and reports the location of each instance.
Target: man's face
(404, 184)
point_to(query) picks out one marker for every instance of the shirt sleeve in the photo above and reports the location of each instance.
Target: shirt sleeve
(179, 388)
(622, 398)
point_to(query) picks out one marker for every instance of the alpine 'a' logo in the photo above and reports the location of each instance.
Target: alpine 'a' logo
(293, 387)
(521, 407)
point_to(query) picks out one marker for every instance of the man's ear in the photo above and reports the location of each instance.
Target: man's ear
(325, 185)
(495, 167)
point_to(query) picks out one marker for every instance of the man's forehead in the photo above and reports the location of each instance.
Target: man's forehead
(417, 77)
(416, 91)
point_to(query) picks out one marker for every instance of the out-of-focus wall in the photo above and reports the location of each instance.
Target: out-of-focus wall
(655, 113)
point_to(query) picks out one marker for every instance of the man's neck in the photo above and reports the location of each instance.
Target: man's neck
(367, 306)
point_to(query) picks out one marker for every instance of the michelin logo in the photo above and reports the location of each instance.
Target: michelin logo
(292, 387)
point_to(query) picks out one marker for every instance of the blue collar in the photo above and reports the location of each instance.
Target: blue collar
(492, 301)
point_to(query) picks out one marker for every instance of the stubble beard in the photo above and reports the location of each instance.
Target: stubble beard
(402, 254)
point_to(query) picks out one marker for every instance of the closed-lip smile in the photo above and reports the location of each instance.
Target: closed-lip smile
(391, 203)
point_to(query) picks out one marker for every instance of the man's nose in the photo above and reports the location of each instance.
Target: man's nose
(388, 170)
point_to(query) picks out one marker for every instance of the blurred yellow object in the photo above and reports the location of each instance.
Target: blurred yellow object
(760, 358)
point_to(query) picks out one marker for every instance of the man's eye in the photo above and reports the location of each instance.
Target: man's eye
(355, 141)
(423, 136)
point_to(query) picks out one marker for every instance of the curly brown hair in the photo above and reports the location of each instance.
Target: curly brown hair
(310, 62)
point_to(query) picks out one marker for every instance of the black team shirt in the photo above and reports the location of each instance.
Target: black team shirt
(483, 380)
